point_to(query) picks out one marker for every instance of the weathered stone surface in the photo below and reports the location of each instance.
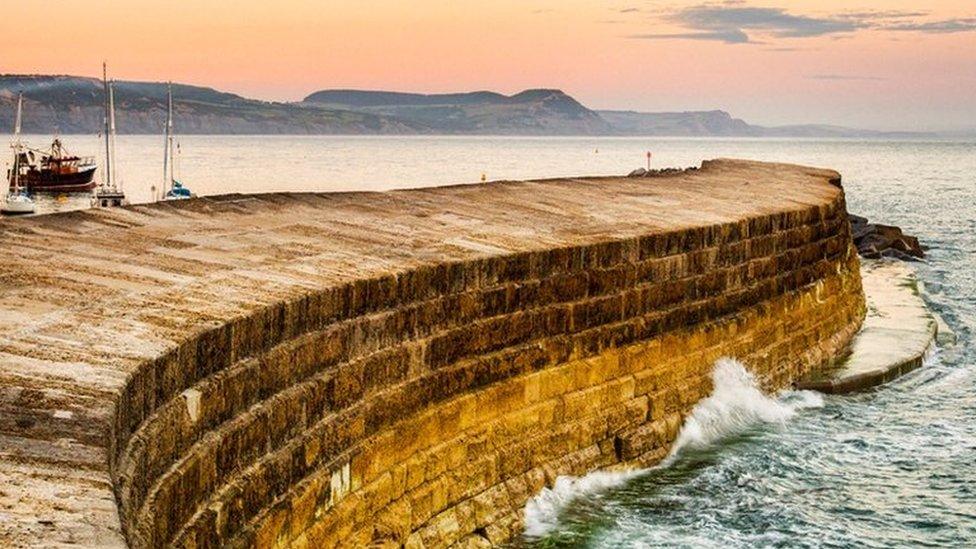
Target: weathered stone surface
(392, 368)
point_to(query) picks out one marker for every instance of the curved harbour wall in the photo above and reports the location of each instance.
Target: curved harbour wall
(405, 367)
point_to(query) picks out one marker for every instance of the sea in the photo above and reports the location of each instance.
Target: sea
(890, 467)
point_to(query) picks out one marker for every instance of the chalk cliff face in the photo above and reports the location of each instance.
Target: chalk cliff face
(404, 367)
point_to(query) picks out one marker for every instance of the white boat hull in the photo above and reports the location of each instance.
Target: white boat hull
(17, 205)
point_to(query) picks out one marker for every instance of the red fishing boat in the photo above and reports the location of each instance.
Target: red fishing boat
(55, 170)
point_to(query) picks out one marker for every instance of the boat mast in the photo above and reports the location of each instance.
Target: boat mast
(172, 138)
(108, 140)
(16, 144)
(168, 150)
(111, 124)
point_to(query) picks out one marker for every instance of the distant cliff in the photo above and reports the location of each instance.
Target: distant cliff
(532, 112)
(70, 104)
(723, 124)
(695, 123)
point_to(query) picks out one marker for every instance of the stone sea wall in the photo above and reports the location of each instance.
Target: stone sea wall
(423, 401)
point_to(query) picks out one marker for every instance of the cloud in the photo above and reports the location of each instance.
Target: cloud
(628, 10)
(847, 77)
(733, 22)
(730, 36)
(945, 26)
(877, 15)
(790, 48)
(737, 20)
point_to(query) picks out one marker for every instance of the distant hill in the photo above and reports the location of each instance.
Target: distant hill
(361, 99)
(723, 124)
(532, 112)
(71, 104)
(685, 124)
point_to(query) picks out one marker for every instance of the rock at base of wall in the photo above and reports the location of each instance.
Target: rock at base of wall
(641, 172)
(875, 241)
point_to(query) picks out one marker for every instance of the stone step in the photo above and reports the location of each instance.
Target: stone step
(898, 333)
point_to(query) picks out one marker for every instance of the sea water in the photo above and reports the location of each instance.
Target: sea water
(890, 467)
(735, 407)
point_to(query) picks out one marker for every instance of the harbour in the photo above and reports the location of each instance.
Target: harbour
(460, 275)
(623, 511)
(67, 179)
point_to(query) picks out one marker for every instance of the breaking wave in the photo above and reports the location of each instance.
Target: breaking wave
(736, 405)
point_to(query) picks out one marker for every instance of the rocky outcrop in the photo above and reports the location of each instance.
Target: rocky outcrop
(392, 368)
(660, 172)
(875, 241)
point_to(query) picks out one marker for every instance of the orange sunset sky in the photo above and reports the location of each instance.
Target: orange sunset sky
(892, 64)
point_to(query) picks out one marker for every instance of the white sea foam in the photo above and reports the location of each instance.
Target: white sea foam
(735, 405)
(542, 511)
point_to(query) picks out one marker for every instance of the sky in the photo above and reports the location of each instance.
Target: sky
(891, 64)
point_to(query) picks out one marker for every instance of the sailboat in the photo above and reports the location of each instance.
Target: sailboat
(17, 200)
(174, 189)
(109, 193)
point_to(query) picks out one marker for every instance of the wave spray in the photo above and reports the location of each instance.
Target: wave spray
(736, 405)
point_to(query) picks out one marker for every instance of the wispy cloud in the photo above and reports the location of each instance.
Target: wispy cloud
(945, 26)
(729, 36)
(734, 22)
(847, 77)
(775, 21)
(878, 15)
